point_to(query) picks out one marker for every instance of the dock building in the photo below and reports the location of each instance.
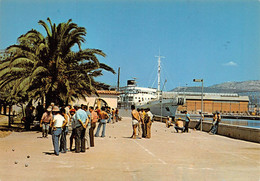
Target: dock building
(212, 102)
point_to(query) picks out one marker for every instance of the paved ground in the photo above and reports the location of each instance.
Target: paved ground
(166, 156)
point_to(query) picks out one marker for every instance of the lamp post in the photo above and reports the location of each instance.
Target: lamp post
(200, 80)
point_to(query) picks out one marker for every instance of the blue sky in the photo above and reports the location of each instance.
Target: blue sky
(218, 41)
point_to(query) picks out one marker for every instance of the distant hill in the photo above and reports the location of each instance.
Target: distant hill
(227, 87)
(246, 86)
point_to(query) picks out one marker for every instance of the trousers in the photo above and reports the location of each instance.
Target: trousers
(139, 128)
(143, 130)
(55, 140)
(148, 127)
(80, 139)
(45, 129)
(186, 127)
(102, 122)
(87, 137)
(91, 134)
(63, 139)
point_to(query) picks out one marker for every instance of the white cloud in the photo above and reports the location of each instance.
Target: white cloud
(231, 63)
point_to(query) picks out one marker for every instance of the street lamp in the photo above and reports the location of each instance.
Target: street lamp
(200, 80)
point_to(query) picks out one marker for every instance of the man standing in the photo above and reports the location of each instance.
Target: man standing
(149, 122)
(56, 125)
(214, 128)
(88, 125)
(80, 123)
(29, 116)
(64, 132)
(199, 123)
(135, 120)
(39, 111)
(143, 113)
(139, 123)
(103, 121)
(45, 122)
(94, 119)
(73, 133)
(187, 121)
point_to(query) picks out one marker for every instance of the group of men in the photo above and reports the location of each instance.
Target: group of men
(83, 123)
(180, 126)
(142, 120)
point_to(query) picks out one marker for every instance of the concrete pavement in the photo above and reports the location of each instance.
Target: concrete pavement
(166, 156)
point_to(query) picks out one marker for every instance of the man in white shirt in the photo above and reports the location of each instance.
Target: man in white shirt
(56, 124)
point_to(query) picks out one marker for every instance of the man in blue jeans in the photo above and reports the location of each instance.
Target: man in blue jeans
(56, 125)
(103, 121)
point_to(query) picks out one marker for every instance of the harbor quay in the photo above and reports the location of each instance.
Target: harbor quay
(166, 156)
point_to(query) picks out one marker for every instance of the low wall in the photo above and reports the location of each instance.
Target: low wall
(232, 131)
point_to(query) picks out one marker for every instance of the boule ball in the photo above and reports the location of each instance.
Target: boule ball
(26, 165)
(16, 162)
(28, 156)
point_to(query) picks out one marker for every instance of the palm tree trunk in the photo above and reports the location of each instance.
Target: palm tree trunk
(9, 116)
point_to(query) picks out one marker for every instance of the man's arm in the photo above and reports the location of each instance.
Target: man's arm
(86, 124)
(65, 121)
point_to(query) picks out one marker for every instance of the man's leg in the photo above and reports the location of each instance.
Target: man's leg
(139, 129)
(134, 131)
(71, 138)
(148, 130)
(56, 136)
(143, 131)
(91, 134)
(43, 129)
(62, 141)
(98, 129)
(77, 139)
(82, 139)
(87, 137)
(104, 129)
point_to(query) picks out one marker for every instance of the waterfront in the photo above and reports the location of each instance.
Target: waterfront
(239, 122)
(166, 156)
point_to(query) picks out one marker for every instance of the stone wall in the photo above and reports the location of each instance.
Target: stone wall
(232, 131)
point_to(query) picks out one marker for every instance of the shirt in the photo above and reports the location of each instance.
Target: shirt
(89, 117)
(80, 115)
(94, 117)
(73, 123)
(58, 120)
(150, 115)
(187, 117)
(46, 118)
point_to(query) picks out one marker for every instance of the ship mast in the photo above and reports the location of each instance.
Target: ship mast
(159, 74)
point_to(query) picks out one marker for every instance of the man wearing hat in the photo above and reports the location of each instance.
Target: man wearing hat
(45, 122)
(57, 123)
(81, 120)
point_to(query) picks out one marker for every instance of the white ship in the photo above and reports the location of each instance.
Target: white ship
(160, 103)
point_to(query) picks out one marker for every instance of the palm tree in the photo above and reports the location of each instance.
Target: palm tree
(46, 66)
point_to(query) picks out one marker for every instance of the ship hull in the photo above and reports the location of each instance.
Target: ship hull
(165, 107)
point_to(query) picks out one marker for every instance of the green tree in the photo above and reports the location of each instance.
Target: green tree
(47, 67)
